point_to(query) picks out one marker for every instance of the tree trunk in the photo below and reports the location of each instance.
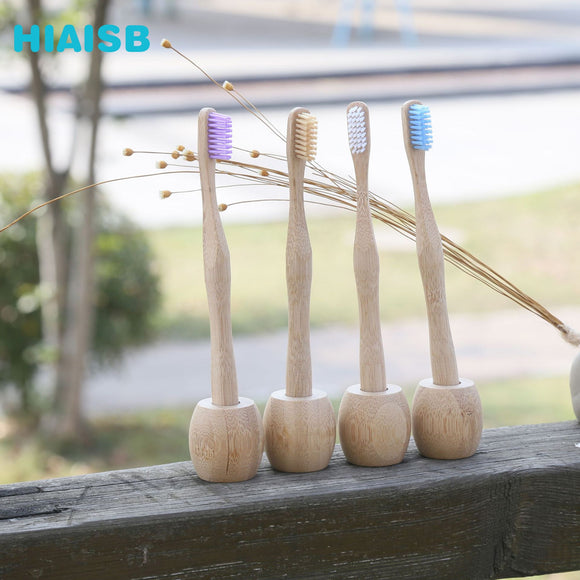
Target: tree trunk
(68, 280)
(51, 238)
(76, 340)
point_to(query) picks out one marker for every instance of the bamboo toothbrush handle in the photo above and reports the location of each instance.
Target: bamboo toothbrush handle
(298, 275)
(366, 270)
(432, 268)
(216, 261)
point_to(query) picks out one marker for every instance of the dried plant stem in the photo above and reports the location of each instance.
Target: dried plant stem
(85, 188)
(341, 192)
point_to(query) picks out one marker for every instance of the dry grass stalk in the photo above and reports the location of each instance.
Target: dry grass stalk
(338, 192)
(342, 192)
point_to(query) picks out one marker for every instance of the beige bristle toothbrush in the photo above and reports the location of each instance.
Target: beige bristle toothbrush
(299, 423)
(447, 413)
(225, 434)
(374, 420)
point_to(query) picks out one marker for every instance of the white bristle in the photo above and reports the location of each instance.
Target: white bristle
(305, 136)
(357, 129)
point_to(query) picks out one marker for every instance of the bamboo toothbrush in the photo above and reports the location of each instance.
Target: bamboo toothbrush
(299, 423)
(225, 434)
(374, 420)
(447, 414)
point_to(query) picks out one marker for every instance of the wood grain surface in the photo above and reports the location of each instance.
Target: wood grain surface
(226, 442)
(447, 421)
(374, 428)
(299, 432)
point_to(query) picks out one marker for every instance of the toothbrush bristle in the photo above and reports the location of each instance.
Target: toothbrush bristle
(357, 129)
(420, 127)
(306, 136)
(219, 136)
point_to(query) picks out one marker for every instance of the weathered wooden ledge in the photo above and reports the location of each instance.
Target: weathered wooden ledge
(512, 509)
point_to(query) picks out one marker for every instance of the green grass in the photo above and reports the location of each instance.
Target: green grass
(531, 240)
(526, 401)
(116, 442)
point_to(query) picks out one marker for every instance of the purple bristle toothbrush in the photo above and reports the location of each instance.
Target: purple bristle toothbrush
(225, 434)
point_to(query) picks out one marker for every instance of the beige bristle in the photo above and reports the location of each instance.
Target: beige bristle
(189, 155)
(254, 153)
(223, 206)
(306, 136)
(165, 193)
(175, 154)
(180, 148)
(228, 86)
(161, 164)
(127, 152)
(165, 43)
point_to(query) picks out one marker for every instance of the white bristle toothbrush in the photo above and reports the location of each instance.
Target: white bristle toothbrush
(225, 434)
(299, 423)
(447, 414)
(374, 421)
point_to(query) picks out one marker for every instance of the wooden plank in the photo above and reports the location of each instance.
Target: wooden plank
(511, 509)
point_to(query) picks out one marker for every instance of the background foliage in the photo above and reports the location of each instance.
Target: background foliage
(127, 294)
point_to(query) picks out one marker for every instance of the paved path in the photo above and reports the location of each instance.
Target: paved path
(500, 345)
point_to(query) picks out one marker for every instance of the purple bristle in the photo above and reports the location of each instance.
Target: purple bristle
(219, 136)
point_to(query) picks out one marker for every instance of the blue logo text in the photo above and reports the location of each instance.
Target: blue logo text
(135, 38)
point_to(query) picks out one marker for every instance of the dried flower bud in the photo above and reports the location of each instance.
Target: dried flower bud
(264, 173)
(127, 152)
(161, 164)
(223, 206)
(228, 86)
(180, 147)
(254, 153)
(165, 194)
(189, 155)
(165, 43)
(175, 154)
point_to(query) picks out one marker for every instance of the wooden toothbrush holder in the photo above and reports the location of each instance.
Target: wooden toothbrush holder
(374, 427)
(447, 420)
(300, 432)
(226, 443)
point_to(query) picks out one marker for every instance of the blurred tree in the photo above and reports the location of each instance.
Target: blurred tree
(126, 298)
(66, 248)
(20, 324)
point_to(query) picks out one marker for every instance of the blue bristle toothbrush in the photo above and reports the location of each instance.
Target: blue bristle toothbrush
(447, 414)
(225, 434)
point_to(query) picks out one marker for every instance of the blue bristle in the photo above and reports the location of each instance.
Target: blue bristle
(420, 127)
